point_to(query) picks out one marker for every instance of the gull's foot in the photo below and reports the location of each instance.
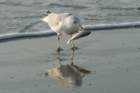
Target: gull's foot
(59, 49)
(74, 48)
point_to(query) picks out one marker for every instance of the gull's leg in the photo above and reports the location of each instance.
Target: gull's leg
(58, 46)
(58, 43)
(73, 47)
(71, 43)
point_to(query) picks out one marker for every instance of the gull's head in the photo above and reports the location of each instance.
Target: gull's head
(45, 19)
(48, 12)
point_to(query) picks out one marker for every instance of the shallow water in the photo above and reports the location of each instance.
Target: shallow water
(111, 56)
(17, 14)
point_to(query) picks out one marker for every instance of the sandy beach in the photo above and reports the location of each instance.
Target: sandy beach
(113, 56)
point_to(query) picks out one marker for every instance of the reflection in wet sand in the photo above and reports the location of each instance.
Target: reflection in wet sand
(68, 74)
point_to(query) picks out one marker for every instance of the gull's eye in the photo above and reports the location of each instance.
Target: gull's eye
(48, 12)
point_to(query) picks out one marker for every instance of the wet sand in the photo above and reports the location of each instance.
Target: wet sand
(113, 55)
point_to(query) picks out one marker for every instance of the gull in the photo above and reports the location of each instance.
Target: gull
(64, 23)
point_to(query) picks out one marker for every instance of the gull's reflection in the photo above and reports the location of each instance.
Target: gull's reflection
(68, 74)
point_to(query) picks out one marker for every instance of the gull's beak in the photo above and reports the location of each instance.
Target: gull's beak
(45, 19)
